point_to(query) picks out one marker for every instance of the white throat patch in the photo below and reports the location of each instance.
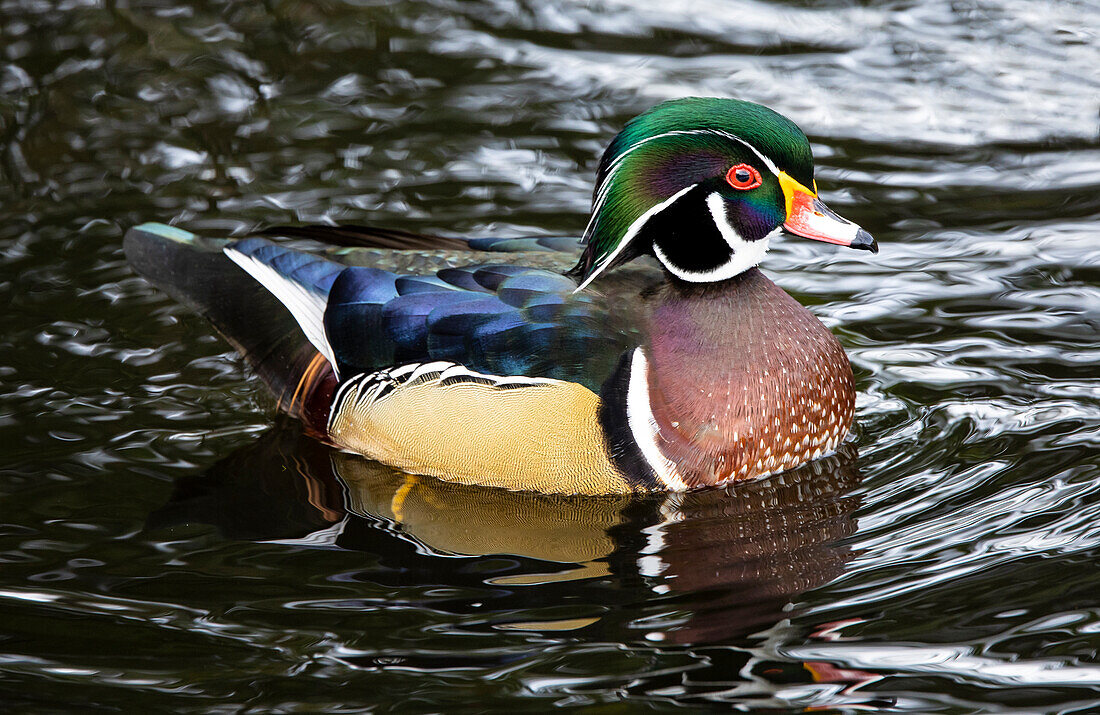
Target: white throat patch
(746, 254)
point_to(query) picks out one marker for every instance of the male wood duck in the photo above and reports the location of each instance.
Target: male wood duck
(492, 362)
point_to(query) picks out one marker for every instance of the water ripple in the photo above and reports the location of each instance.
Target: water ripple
(213, 565)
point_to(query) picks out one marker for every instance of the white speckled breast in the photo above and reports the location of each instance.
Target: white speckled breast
(744, 381)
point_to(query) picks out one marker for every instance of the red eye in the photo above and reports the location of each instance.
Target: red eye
(743, 177)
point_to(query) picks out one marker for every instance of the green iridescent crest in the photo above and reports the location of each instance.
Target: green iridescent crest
(672, 147)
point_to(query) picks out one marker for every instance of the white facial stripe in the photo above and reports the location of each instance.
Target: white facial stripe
(718, 132)
(767, 162)
(643, 427)
(630, 234)
(601, 193)
(746, 254)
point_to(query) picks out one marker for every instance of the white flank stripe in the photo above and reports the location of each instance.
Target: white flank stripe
(454, 371)
(639, 416)
(307, 307)
(521, 380)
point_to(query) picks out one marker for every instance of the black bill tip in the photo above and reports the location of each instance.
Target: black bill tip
(864, 241)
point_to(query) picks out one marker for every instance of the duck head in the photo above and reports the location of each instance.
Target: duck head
(704, 184)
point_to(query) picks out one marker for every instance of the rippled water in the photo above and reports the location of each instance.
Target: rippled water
(165, 547)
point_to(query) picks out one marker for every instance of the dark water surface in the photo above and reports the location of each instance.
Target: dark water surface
(165, 548)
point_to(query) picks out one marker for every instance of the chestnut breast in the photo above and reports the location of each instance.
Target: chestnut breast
(743, 380)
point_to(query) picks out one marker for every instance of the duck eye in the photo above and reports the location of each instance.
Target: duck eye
(743, 177)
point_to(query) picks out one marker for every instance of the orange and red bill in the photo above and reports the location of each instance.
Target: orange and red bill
(809, 217)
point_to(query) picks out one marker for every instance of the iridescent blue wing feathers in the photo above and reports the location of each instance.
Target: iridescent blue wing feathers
(500, 319)
(299, 280)
(496, 318)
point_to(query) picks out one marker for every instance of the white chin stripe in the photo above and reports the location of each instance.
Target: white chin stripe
(746, 254)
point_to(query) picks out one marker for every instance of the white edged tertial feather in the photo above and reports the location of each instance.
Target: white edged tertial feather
(307, 307)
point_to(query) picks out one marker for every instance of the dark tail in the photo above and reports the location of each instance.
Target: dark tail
(194, 271)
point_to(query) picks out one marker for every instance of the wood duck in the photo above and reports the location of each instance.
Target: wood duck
(493, 362)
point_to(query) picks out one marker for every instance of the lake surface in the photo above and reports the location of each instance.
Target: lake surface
(169, 544)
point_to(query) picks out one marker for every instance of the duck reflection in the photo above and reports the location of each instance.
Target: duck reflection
(697, 567)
